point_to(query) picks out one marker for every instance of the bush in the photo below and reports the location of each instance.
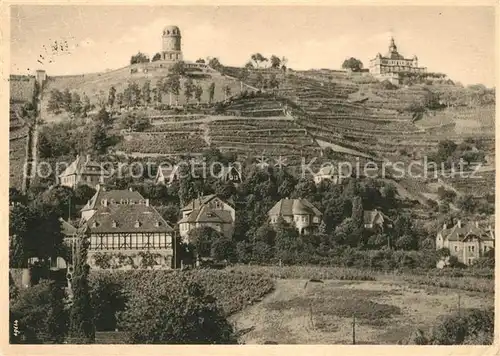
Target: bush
(174, 310)
(472, 326)
(40, 314)
(111, 290)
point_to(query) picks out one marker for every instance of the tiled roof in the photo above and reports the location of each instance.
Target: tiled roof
(112, 195)
(67, 229)
(457, 233)
(125, 216)
(370, 216)
(84, 165)
(289, 207)
(205, 214)
(198, 202)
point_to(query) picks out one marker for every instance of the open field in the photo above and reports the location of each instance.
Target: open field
(302, 312)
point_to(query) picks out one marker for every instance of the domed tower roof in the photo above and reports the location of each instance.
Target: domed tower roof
(171, 31)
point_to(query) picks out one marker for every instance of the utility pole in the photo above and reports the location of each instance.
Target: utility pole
(354, 329)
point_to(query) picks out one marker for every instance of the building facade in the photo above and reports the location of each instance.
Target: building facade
(83, 171)
(207, 211)
(467, 242)
(171, 44)
(393, 65)
(126, 231)
(376, 220)
(298, 212)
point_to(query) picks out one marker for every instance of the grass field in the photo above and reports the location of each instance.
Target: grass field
(386, 312)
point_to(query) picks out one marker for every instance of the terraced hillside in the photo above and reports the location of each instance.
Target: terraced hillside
(96, 85)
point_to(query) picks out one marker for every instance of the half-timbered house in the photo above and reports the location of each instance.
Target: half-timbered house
(126, 231)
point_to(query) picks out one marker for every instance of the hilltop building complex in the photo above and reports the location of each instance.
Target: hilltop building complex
(393, 65)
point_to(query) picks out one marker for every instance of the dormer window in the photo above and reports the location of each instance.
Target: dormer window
(114, 224)
(158, 224)
(95, 224)
(137, 223)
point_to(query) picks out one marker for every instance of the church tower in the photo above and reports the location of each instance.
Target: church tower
(171, 44)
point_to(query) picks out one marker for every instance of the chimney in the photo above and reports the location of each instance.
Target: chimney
(444, 226)
(477, 224)
(147, 202)
(459, 224)
(87, 158)
(131, 189)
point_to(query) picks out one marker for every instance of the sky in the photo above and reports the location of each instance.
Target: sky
(458, 41)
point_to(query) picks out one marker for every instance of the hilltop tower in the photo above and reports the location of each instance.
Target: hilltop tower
(171, 40)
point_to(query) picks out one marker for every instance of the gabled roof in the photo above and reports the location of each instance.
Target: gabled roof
(111, 195)
(198, 202)
(289, 207)
(67, 229)
(460, 232)
(168, 172)
(207, 215)
(85, 166)
(125, 216)
(369, 216)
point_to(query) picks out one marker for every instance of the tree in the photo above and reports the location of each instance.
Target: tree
(188, 89)
(249, 65)
(103, 117)
(200, 60)
(40, 313)
(273, 82)
(275, 62)
(198, 92)
(146, 92)
(215, 64)
(288, 243)
(97, 139)
(158, 90)
(35, 231)
(211, 92)
(258, 59)
(227, 91)
(156, 57)
(179, 69)
(202, 238)
(223, 249)
(174, 310)
(81, 316)
(66, 100)
(172, 86)
(139, 58)
(119, 99)
(76, 104)
(111, 96)
(83, 193)
(59, 199)
(353, 64)
(55, 103)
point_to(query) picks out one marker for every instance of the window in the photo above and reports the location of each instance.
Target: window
(114, 224)
(485, 248)
(456, 248)
(472, 248)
